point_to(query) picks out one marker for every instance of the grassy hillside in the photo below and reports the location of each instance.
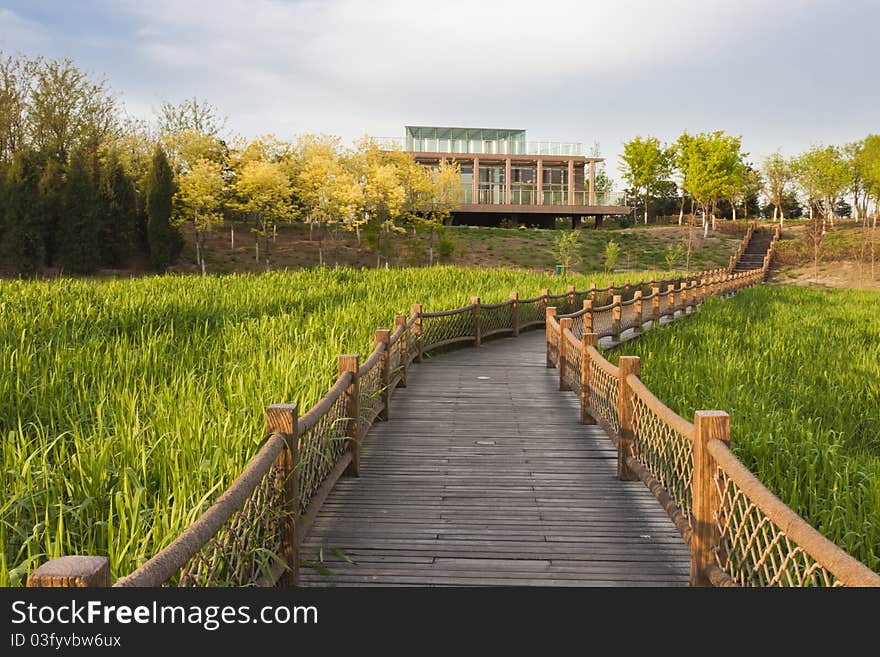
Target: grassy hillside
(532, 249)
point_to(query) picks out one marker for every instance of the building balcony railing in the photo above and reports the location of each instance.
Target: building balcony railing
(496, 147)
(496, 194)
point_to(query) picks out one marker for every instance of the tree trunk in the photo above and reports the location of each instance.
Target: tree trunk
(231, 237)
(733, 208)
(646, 206)
(681, 210)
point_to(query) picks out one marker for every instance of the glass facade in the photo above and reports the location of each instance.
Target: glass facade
(428, 139)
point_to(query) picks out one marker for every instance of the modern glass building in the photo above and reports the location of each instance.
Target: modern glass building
(504, 174)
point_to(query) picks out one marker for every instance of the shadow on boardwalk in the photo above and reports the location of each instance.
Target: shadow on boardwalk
(485, 477)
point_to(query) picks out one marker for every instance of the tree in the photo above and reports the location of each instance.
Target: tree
(326, 188)
(198, 200)
(646, 165)
(118, 229)
(778, 174)
(51, 203)
(16, 80)
(80, 246)
(602, 183)
(67, 109)
(264, 190)
(852, 154)
(565, 248)
(22, 228)
(384, 200)
(711, 162)
(446, 195)
(612, 253)
(822, 173)
(164, 240)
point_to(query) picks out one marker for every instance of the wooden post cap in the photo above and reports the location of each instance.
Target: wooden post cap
(72, 571)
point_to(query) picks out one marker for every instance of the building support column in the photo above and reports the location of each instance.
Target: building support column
(571, 182)
(592, 183)
(507, 197)
(476, 182)
(539, 187)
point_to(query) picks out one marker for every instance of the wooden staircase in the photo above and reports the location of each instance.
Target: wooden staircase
(755, 252)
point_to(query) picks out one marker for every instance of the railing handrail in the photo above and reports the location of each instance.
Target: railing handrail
(801, 537)
(847, 569)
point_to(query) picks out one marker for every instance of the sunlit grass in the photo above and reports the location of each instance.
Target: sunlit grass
(127, 406)
(799, 372)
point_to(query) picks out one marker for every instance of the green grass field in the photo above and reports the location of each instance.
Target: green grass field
(799, 372)
(127, 406)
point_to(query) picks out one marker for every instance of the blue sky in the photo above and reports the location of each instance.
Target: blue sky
(781, 74)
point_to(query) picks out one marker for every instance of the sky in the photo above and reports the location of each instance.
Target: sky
(783, 75)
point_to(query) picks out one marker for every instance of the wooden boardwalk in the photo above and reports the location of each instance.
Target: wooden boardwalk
(484, 476)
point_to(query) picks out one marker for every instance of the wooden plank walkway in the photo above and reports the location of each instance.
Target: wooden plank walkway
(483, 476)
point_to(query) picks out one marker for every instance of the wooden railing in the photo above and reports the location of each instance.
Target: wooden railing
(251, 535)
(738, 532)
(750, 229)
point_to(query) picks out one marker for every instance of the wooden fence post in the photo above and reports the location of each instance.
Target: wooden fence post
(626, 365)
(550, 312)
(400, 320)
(637, 309)
(475, 302)
(616, 312)
(693, 295)
(588, 340)
(587, 317)
(514, 312)
(383, 336)
(282, 419)
(671, 289)
(351, 363)
(655, 306)
(570, 298)
(626, 287)
(73, 571)
(564, 323)
(708, 425)
(593, 294)
(545, 299)
(416, 311)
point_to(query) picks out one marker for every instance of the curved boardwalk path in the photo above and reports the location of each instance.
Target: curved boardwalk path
(484, 476)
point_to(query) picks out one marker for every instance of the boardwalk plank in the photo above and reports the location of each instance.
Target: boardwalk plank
(484, 482)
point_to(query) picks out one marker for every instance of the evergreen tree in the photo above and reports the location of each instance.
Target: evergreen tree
(51, 193)
(79, 235)
(22, 225)
(118, 229)
(164, 240)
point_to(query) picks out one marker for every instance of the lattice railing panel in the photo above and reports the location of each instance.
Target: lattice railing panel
(604, 395)
(560, 302)
(647, 310)
(395, 361)
(572, 363)
(754, 551)
(370, 389)
(553, 345)
(531, 311)
(457, 325)
(320, 447)
(496, 318)
(602, 322)
(664, 305)
(244, 550)
(665, 452)
(629, 318)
